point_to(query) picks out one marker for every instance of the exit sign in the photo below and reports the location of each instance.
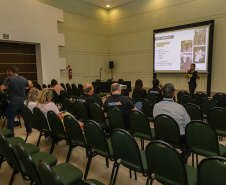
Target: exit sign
(5, 36)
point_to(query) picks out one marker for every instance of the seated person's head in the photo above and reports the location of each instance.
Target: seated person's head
(53, 83)
(168, 90)
(88, 89)
(138, 83)
(32, 95)
(155, 82)
(45, 96)
(115, 88)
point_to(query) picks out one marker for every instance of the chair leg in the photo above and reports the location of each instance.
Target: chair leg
(130, 173)
(1, 160)
(107, 162)
(193, 159)
(4, 123)
(12, 177)
(52, 147)
(135, 174)
(197, 162)
(39, 138)
(88, 166)
(142, 144)
(113, 171)
(26, 137)
(69, 153)
(116, 173)
(147, 182)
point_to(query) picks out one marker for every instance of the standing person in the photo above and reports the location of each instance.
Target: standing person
(56, 87)
(139, 88)
(16, 86)
(192, 76)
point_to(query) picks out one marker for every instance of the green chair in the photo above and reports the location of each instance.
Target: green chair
(41, 123)
(217, 118)
(221, 99)
(136, 96)
(140, 127)
(80, 87)
(28, 118)
(115, 118)
(74, 134)
(167, 129)
(69, 106)
(186, 99)
(81, 112)
(202, 140)
(206, 105)
(64, 95)
(181, 93)
(62, 85)
(98, 99)
(126, 149)
(211, 171)
(8, 150)
(98, 143)
(147, 109)
(98, 116)
(56, 97)
(30, 161)
(193, 111)
(167, 166)
(57, 129)
(61, 174)
(75, 90)
(151, 98)
(6, 132)
(198, 97)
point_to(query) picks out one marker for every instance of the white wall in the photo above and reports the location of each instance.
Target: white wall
(33, 22)
(131, 33)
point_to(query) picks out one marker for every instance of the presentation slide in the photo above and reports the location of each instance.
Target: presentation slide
(176, 50)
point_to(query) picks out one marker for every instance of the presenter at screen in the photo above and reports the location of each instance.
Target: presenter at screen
(192, 75)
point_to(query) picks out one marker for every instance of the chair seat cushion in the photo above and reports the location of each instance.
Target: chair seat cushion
(43, 156)
(6, 132)
(222, 149)
(143, 136)
(68, 173)
(192, 175)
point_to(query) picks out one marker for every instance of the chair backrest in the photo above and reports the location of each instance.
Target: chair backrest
(139, 125)
(217, 118)
(167, 129)
(74, 131)
(221, 99)
(47, 175)
(62, 85)
(68, 86)
(151, 98)
(198, 97)
(40, 119)
(207, 104)
(96, 89)
(75, 90)
(69, 106)
(98, 99)
(81, 112)
(28, 116)
(80, 87)
(56, 97)
(28, 164)
(97, 115)
(115, 118)
(147, 107)
(181, 93)
(38, 86)
(202, 139)
(136, 96)
(49, 85)
(186, 99)
(96, 138)
(166, 163)
(64, 95)
(126, 148)
(98, 80)
(120, 80)
(193, 111)
(212, 170)
(56, 125)
(44, 86)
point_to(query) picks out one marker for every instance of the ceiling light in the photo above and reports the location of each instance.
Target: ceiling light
(108, 5)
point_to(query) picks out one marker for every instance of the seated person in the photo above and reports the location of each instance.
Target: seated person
(156, 90)
(87, 97)
(123, 103)
(169, 107)
(139, 88)
(56, 87)
(32, 98)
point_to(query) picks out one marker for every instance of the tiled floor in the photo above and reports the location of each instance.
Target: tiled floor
(98, 169)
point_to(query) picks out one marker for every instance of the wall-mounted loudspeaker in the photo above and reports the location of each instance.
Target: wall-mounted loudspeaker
(111, 64)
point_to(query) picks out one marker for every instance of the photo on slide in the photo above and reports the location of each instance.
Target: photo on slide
(200, 36)
(199, 54)
(185, 61)
(186, 46)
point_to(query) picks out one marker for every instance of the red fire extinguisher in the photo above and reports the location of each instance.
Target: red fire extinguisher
(70, 72)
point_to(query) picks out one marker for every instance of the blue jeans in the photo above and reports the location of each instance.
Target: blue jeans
(138, 105)
(11, 112)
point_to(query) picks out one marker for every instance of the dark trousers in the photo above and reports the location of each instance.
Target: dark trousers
(192, 89)
(11, 112)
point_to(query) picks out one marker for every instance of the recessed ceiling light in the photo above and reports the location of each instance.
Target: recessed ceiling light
(108, 5)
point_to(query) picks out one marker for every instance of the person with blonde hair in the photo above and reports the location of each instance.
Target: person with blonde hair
(32, 96)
